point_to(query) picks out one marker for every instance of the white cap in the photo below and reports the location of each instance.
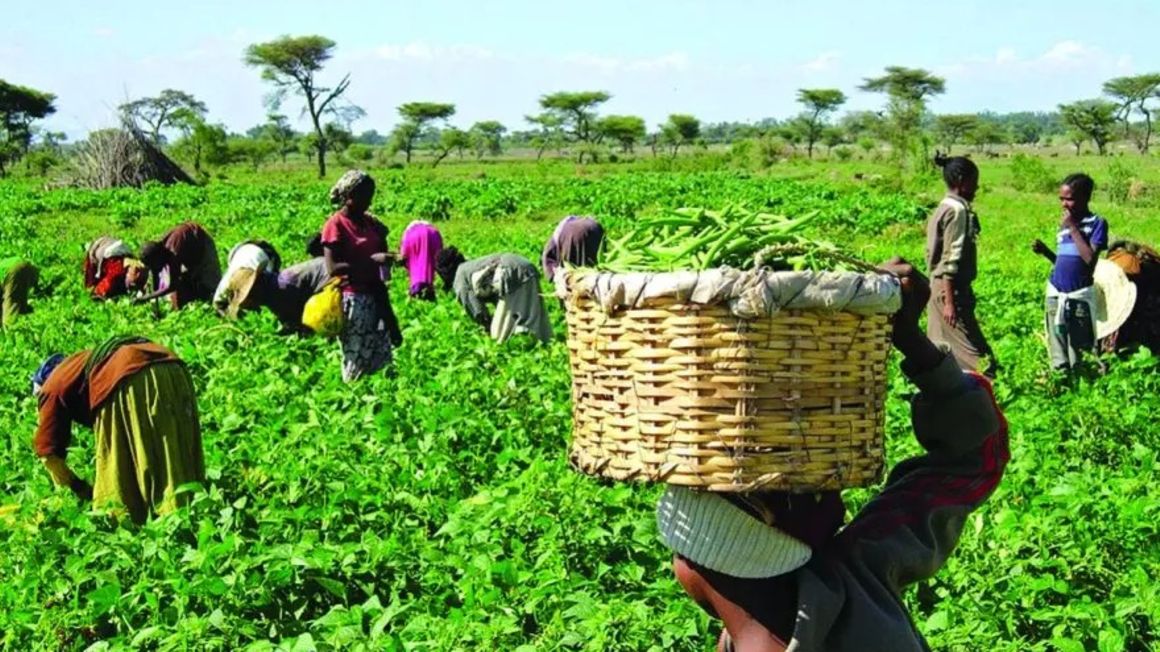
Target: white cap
(713, 532)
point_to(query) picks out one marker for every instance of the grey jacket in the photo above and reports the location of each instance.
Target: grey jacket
(849, 594)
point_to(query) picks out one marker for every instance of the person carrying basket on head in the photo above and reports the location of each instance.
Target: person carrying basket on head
(782, 572)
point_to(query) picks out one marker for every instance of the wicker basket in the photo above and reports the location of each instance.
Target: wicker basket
(667, 390)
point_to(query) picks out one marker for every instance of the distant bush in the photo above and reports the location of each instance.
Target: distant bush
(843, 153)
(1120, 179)
(360, 152)
(1030, 174)
(759, 153)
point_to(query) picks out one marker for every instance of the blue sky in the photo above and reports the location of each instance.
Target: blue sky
(719, 60)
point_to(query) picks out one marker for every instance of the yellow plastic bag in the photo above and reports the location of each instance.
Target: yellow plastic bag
(323, 311)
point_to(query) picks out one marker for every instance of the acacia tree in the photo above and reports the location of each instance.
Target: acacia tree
(907, 90)
(20, 106)
(451, 138)
(549, 134)
(626, 130)
(1133, 94)
(953, 128)
(277, 130)
(200, 141)
(1094, 119)
(819, 103)
(680, 129)
(290, 63)
(163, 111)
(577, 115)
(416, 117)
(487, 137)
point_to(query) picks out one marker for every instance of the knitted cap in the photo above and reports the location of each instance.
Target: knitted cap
(712, 532)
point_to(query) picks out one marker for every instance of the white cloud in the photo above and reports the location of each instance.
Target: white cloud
(823, 62)
(1062, 72)
(1006, 55)
(673, 61)
(420, 51)
(1068, 51)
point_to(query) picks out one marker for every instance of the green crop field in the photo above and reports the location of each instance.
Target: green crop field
(436, 510)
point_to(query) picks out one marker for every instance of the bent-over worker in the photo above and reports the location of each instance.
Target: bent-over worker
(184, 265)
(139, 400)
(511, 281)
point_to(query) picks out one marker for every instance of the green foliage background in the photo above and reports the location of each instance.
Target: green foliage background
(436, 511)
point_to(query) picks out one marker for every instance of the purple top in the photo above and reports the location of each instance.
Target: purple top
(420, 245)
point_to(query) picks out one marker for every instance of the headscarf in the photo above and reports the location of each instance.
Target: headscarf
(44, 371)
(349, 184)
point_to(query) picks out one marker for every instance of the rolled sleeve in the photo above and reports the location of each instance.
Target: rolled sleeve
(955, 232)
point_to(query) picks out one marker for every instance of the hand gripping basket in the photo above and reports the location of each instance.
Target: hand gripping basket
(729, 380)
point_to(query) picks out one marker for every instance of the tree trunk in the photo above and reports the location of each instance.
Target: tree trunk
(810, 149)
(540, 153)
(438, 159)
(1147, 129)
(321, 159)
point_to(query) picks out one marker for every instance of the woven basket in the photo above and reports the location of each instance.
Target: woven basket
(690, 394)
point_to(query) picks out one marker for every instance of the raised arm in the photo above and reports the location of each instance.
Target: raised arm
(907, 532)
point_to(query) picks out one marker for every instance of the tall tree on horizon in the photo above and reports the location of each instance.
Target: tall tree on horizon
(291, 63)
(819, 103)
(168, 109)
(1133, 94)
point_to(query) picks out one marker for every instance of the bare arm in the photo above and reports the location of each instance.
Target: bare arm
(1042, 249)
(1081, 242)
(334, 266)
(163, 292)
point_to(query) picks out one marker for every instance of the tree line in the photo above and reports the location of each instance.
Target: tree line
(571, 120)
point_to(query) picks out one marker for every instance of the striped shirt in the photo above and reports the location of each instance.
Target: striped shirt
(1071, 273)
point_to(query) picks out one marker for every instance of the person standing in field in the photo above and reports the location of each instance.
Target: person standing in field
(511, 281)
(1071, 296)
(418, 249)
(17, 279)
(781, 571)
(184, 266)
(139, 400)
(354, 246)
(952, 259)
(576, 242)
(253, 255)
(111, 270)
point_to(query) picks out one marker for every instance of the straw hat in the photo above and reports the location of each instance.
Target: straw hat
(240, 289)
(1115, 298)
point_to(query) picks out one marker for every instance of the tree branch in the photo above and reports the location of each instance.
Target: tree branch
(338, 90)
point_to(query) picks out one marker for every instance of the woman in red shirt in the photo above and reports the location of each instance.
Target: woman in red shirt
(354, 245)
(109, 269)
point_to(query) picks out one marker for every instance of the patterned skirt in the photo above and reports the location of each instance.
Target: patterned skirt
(366, 344)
